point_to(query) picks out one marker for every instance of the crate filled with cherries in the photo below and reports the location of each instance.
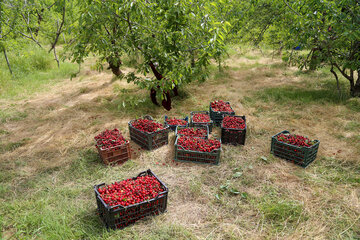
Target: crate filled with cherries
(217, 109)
(148, 133)
(200, 132)
(294, 148)
(175, 122)
(201, 119)
(123, 203)
(113, 148)
(197, 150)
(233, 130)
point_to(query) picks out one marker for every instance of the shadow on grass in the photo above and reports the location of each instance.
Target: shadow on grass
(302, 96)
(136, 103)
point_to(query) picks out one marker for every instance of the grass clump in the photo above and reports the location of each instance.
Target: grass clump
(8, 147)
(281, 212)
(11, 116)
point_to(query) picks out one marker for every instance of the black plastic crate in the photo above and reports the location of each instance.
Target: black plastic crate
(173, 127)
(183, 155)
(301, 156)
(202, 127)
(233, 136)
(149, 141)
(201, 124)
(118, 217)
(217, 117)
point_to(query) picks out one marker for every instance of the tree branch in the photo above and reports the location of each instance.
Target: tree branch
(337, 79)
(31, 38)
(291, 8)
(343, 73)
(58, 32)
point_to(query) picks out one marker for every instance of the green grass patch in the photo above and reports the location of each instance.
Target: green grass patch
(353, 126)
(32, 68)
(4, 132)
(333, 170)
(296, 95)
(8, 147)
(280, 212)
(12, 115)
(353, 104)
(130, 102)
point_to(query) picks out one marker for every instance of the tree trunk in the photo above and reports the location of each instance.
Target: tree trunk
(337, 79)
(175, 90)
(166, 102)
(355, 89)
(158, 77)
(56, 58)
(192, 53)
(153, 97)
(156, 73)
(7, 61)
(115, 68)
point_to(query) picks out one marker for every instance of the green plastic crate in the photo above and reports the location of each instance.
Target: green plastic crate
(173, 127)
(202, 127)
(217, 117)
(183, 155)
(201, 124)
(301, 156)
(149, 141)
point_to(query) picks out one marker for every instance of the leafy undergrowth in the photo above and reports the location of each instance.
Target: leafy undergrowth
(49, 164)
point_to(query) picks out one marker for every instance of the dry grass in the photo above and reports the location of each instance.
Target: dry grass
(48, 178)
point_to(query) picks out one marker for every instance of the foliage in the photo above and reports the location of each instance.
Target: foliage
(175, 39)
(328, 30)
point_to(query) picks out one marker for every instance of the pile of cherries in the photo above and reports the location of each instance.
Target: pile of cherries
(221, 106)
(233, 122)
(128, 192)
(295, 140)
(193, 132)
(109, 139)
(178, 122)
(146, 125)
(198, 144)
(201, 118)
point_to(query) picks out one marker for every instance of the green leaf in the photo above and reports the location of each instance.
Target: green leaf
(244, 195)
(224, 187)
(234, 191)
(237, 174)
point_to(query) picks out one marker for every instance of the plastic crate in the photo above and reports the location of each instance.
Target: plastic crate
(149, 141)
(217, 117)
(115, 155)
(233, 136)
(173, 127)
(202, 127)
(200, 124)
(302, 156)
(118, 217)
(183, 155)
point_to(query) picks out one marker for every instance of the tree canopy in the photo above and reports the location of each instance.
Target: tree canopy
(176, 40)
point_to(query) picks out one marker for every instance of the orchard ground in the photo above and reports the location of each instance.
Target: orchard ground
(49, 164)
